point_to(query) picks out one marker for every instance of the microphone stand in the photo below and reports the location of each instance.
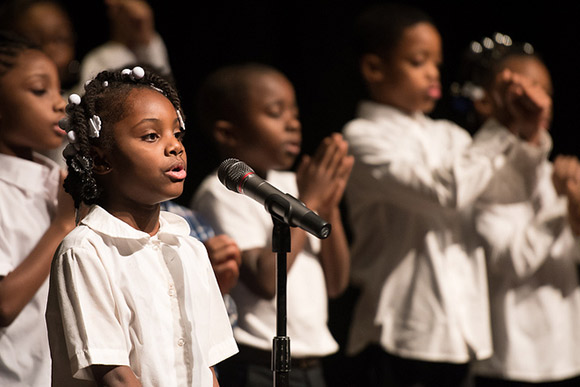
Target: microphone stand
(281, 342)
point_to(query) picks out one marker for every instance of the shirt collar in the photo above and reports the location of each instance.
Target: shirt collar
(34, 177)
(377, 111)
(101, 221)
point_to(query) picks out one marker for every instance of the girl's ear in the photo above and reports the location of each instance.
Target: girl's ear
(101, 165)
(372, 68)
(224, 133)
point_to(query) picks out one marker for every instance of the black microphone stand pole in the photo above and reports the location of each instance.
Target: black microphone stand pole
(281, 342)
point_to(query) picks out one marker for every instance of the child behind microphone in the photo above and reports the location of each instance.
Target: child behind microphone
(133, 297)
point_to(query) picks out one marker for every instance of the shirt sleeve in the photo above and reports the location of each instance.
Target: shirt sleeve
(520, 235)
(92, 332)
(233, 214)
(402, 167)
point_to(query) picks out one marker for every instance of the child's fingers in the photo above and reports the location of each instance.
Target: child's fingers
(335, 152)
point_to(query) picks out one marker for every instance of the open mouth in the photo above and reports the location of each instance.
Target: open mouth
(61, 132)
(177, 172)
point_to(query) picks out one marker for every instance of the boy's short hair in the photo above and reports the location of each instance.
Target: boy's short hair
(378, 28)
(223, 94)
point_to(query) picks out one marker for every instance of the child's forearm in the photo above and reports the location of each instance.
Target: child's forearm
(115, 376)
(258, 270)
(335, 257)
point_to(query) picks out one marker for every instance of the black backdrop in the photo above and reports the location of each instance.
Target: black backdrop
(308, 41)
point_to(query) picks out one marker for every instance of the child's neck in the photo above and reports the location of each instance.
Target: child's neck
(141, 217)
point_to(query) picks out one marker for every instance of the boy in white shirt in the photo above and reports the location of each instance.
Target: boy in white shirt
(422, 315)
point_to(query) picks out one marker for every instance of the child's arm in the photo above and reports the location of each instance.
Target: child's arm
(115, 376)
(215, 381)
(18, 287)
(321, 181)
(225, 257)
(258, 270)
(566, 179)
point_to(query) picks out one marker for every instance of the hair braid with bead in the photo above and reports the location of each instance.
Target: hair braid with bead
(104, 97)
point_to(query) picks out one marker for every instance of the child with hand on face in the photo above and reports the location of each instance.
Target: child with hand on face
(423, 313)
(251, 112)
(133, 299)
(529, 235)
(35, 212)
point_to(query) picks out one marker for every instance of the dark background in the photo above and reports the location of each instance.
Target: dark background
(309, 42)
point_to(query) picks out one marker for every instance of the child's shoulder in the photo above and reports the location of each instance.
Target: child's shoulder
(80, 236)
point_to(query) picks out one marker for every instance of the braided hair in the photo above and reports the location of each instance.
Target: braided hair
(103, 101)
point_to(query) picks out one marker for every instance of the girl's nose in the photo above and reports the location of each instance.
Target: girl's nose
(175, 147)
(59, 104)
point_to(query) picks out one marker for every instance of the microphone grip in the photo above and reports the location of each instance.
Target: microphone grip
(291, 211)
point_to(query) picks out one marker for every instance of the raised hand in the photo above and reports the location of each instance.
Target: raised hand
(521, 105)
(322, 178)
(565, 169)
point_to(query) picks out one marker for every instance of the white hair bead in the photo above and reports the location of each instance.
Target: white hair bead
(75, 99)
(138, 72)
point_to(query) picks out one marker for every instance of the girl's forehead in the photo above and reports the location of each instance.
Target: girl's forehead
(29, 63)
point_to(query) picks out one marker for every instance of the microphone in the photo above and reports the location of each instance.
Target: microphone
(237, 176)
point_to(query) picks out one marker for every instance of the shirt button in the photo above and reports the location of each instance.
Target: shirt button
(181, 342)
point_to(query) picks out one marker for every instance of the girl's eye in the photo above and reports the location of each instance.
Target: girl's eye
(38, 92)
(150, 137)
(274, 113)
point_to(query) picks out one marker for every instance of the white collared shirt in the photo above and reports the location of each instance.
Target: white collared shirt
(28, 196)
(250, 225)
(415, 254)
(121, 297)
(532, 267)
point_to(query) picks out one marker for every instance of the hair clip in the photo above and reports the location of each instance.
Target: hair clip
(157, 89)
(72, 136)
(94, 126)
(180, 118)
(80, 163)
(105, 83)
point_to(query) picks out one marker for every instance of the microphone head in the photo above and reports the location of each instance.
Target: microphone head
(231, 173)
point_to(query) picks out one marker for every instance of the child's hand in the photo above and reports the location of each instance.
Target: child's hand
(322, 178)
(565, 169)
(225, 258)
(65, 210)
(523, 106)
(131, 21)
